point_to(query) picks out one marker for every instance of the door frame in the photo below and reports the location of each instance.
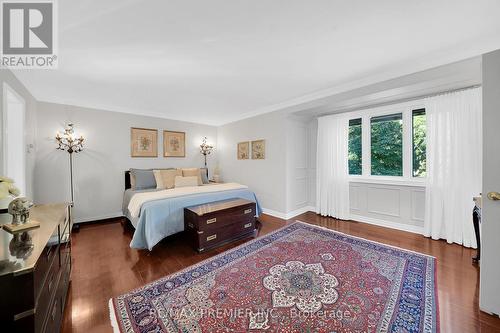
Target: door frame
(6, 90)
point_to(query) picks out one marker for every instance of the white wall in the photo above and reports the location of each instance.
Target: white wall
(489, 299)
(7, 77)
(267, 177)
(99, 169)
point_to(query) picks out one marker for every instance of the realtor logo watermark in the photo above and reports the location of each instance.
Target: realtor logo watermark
(29, 32)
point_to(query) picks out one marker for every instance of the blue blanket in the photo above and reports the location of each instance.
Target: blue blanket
(161, 218)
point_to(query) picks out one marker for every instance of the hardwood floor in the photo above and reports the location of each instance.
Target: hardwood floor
(105, 266)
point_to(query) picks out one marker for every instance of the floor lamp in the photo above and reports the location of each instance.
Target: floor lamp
(206, 149)
(69, 142)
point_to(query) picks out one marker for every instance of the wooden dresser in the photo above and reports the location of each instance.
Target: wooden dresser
(35, 271)
(216, 223)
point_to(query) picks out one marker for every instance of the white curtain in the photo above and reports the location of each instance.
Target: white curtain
(454, 162)
(332, 184)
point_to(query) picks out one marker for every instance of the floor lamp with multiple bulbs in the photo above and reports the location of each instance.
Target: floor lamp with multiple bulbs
(71, 143)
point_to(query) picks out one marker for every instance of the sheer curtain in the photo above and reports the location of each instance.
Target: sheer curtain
(454, 161)
(332, 184)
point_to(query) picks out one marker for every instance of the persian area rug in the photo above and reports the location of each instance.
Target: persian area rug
(301, 278)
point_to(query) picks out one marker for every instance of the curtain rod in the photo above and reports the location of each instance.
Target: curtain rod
(448, 91)
(396, 101)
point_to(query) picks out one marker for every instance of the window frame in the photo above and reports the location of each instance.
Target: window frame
(362, 145)
(406, 109)
(413, 113)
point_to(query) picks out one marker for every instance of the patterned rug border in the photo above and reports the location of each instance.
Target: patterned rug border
(117, 325)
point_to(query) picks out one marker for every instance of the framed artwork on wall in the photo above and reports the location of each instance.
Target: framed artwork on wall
(258, 149)
(174, 144)
(244, 150)
(143, 142)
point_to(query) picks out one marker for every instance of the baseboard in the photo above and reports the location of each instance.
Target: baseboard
(98, 218)
(393, 225)
(289, 215)
(274, 213)
(299, 211)
(488, 311)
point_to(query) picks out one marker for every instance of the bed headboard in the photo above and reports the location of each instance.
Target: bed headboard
(129, 185)
(127, 180)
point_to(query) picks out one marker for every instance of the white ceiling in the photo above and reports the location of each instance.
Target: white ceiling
(218, 61)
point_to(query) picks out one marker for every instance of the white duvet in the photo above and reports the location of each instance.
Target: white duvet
(136, 202)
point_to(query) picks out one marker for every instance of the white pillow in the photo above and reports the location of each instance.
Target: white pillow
(186, 181)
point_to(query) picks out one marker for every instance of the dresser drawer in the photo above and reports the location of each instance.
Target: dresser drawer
(42, 267)
(47, 292)
(211, 238)
(223, 218)
(54, 315)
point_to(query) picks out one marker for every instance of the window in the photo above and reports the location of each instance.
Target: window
(419, 143)
(355, 147)
(387, 145)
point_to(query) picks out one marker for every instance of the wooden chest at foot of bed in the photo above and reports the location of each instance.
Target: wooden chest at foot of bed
(220, 222)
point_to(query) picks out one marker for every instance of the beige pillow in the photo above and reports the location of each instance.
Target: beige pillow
(165, 179)
(132, 181)
(193, 172)
(186, 181)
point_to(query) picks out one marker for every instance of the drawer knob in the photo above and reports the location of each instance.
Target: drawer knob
(248, 225)
(212, 220)
(247, 211)
(209, 238)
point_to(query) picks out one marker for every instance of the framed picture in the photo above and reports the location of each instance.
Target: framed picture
(143, 142)
(243, 150)
(174, 144)
(258, 149)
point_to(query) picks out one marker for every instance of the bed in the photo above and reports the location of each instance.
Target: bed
(156, 214)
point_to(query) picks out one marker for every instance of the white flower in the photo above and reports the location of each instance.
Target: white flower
(7, 188)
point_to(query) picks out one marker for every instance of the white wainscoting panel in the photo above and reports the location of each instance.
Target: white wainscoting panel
(355, 192)
(396, 206)
(417, 202)
(383, 200)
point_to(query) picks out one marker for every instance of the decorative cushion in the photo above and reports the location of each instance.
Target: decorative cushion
(204, 176)
(165, 178)
(186, 181)
(158, 179)
(193, 172)
(143, 178)
(132, 181)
